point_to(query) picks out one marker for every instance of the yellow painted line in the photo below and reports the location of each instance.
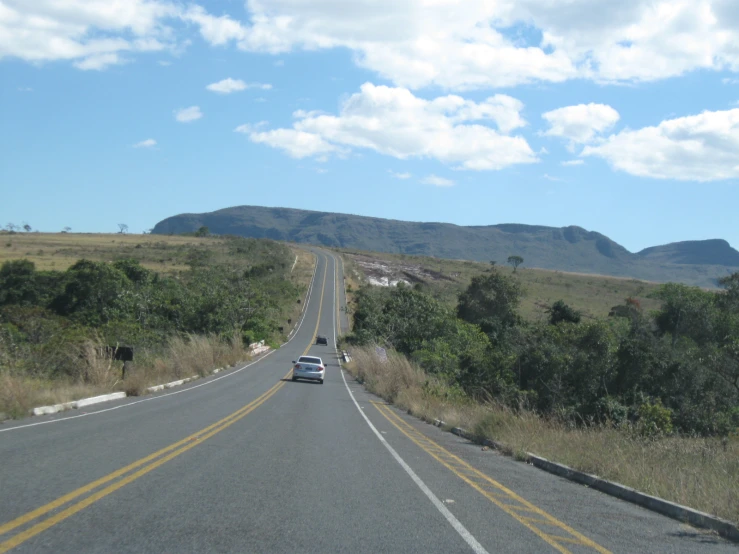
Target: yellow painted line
(320, 309)
(156, 458)
(337, 282)
(564, 539)
(478, 480)
(5, 528)
(64, 514)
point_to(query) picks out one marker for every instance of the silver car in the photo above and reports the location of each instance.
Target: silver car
(309, 367)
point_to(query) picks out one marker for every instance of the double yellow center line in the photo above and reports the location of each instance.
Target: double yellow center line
(143, 466)
(133, 471)
(552, 531)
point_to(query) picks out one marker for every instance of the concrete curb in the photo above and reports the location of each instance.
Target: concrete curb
(723, 527)
(56, 408)
(157, 388)
(75, 404)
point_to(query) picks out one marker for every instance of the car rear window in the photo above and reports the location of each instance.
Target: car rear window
(309, 360)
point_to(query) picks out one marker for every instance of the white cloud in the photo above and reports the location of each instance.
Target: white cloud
(702, 147)
(413, 43)
(580, 124)
(217, 30)
(552, 178)
(416, 43)
(99, 61)
(297, 144)
(148, 143)
(394, 122)
(92, 33)
(568, 163)
(164, 63)
(404, 175)
(185, 115)
(25, 89)
(250, 127)
(229, 85)
(437, 181)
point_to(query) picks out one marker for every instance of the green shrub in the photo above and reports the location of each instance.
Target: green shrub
(654, 419)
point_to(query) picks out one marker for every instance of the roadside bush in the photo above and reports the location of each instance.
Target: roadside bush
(685, 356)
(654, 419)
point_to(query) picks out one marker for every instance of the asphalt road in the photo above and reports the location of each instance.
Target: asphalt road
(250, 462)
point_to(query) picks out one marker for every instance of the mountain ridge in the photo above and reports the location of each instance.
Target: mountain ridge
(569, 248)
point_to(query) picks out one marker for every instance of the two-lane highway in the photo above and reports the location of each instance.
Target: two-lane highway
(252, 462)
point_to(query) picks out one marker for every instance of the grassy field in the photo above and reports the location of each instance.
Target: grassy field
(702, 473)
(592, 295)
(58, 251)
(164, 254)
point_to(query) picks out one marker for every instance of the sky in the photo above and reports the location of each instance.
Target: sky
(619, 116)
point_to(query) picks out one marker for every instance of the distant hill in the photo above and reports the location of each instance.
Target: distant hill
(711, 252)
(566, 248)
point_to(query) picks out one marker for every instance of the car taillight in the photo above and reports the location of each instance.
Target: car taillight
(297, 366)
(320, 368)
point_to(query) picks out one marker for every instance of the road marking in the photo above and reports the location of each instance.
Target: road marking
(438, 504)
(320, 307)
(188, 389)
(337, 322)
(154, 460)
(337, 300)
(178, 448)
(504, 498)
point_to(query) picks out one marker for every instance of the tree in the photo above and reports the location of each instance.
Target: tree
(18, 283)
(12, 227)
(94, 293)
(562, 312)
(490, 301)
(66, 230)
(686, 311)
(26, 227)
(202, 232)
(729, 299)
(515, 261)
(123, 228)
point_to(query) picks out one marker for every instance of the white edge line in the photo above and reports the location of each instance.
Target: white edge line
(449, 516)
(300, 324)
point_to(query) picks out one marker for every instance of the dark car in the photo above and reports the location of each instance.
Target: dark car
(320, 339)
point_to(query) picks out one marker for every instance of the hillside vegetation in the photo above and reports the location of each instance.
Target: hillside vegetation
(634, 382)
(674, 369)
(565, 249)
(593, 296)
(185, 304)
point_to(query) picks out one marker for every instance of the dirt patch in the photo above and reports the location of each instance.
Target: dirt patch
(387, 273)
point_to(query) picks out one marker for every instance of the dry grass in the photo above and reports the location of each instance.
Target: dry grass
(195, 355)
(702, 473)
(593, 295)
(58, 251)
(18, 394)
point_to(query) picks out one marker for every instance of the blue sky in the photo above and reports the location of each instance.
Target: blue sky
(396, 109)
